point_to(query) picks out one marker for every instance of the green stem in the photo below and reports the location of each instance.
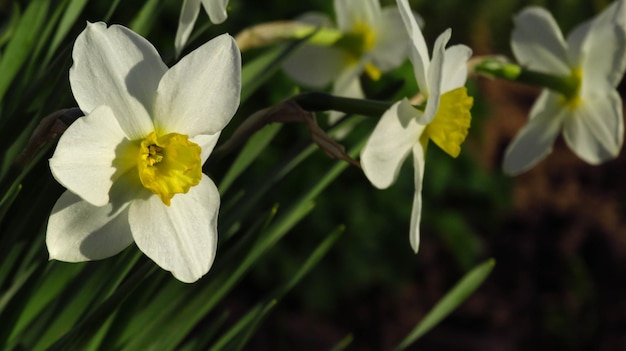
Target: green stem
(496, 68)
(566, 85)
(315, 101)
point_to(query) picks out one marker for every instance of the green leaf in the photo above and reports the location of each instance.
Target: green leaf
(343, 343)
(249, 153)
(456, 296)
(70, 15)
(9, 28)
(256, 72)
(22, 43)
(146, 18)
(244, 328)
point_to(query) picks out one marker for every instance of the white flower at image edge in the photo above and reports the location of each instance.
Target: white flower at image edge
(591, 120)
(216, 9)
(403, 129)
(133, 164)
(374, 41)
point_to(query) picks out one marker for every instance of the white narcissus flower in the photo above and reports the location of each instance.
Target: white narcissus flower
(133, 164)
(373, 41)
(594, 57)
(216, 9)
(404, 129)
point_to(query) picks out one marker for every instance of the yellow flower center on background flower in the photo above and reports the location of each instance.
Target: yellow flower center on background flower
(574, 100)
(449, 127)
(169, 164)
(357, 42)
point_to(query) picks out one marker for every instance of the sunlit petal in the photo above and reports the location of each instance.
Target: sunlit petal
(116, 67)
(454, 67)
(181, 238)
(216, 9)
(419, 161)
(207, 143)
(435, 78)
(79, 231)
(200, 94)
(186, 21)
(90, 156)
(419, 51)
(390, 143)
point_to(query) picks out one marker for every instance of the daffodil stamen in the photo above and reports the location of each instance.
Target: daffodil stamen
(169, 164)
(450, 125)
(357, 42)
(574, 100)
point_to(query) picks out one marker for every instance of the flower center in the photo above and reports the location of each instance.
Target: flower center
(357, 42)
(573, 101)
(449, 127)
(169, 164)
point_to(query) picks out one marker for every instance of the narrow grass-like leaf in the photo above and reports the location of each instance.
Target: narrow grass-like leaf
(112, 9)
(255, 145)
(70, 15)
(243, 325)
(456, 296)
(193, 308)
(134, 322)
(22, 43)
(43, 40)
(145, 19)
(8, 198)
(244, 328)
(256, 72)
(343, 343)
(9, 28)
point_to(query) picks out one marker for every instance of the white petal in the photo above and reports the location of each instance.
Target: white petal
(347, 82)
(315, 66)
(200, 94)
(207, 143)
(116, 67)
(91, 154)
(181, 238)
(392, 40)
(454, 68)
(599, 47)
(346, 85)
(418, 53)
(216, 10)
(315, 19)
(78, 231)
(352, 12)
(390, 143)
(537, 42)
(595, 132)
(419, 161)
(534, 141)
(435, 78)
(186, 21)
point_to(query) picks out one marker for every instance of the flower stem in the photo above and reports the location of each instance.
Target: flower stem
(315, 101)
(497, 68)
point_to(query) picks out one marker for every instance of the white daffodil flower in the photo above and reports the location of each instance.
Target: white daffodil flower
(404, 129)
(594, 58)
(133, 164)
(373, 41)
(216, 9)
